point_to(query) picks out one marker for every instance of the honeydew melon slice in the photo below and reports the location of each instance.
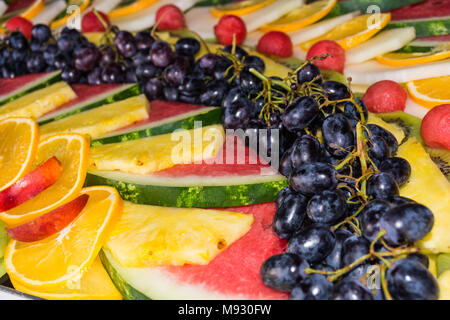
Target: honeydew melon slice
(50, 12)
(201, 21)
(105, 6)
(3, 7)
(385, 42)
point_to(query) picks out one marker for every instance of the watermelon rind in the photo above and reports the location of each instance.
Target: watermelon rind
(111, 96)
(425, 27)
(191, 192)
(207, 115)
(43, 82)
(344, 7)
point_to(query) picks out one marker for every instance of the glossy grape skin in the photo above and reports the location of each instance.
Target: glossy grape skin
(305, 149)
(208, 62)
(313, 178)
(65, 44)
(397, 167)
(308, 73)
(386, 135)
(255, 62)
(313, 287)
(36, 62)
(398, 201)
(338, 135)
(214, 93)
(283, 272)
(351, 111)
(327, 207)
(147, 71)
(336, 90)
(420, 258)
(239, 52)
(286, 164)
(112, 73)
(382, 186)
(125, 44)
(161, 54)
(289, 216)
(378, 149)
(409, 280)
(144, 40)
(249, 83)
(353, 248)
(18, 41)
(87, 58)
(313, 244)
(350, 289)
(237, 114)
(370, 217)
(334, 258)
(94, 77)
(174, 74)
(407, 223)
(70, 75)
(187, 46)
(153, 89)
(300, 113)
(41, 33)
(283, 194)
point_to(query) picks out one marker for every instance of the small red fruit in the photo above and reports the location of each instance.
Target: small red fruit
(227, 27)
(385, 96)
(435, 128)
(20, 24)
(170, 17)
(276, 43)
(336, 55)
(91, 23)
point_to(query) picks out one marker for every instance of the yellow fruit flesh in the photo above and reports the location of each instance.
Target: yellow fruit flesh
(398, 133)
(132, 8)
(154, 236)
(411, 59)
(241, 8)
(430, 92)
(444, 285)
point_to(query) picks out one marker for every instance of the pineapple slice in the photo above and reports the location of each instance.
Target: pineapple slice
(397, 132)
(40, 102)
(148, 155)
(444, 285)
(100, 121)
(428, 186)
(148, 236)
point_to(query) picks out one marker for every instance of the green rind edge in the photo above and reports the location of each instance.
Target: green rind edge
(127, 291)
(211, 117)
(195, 196)
(118, 96)
(40, 85)
(425, 27)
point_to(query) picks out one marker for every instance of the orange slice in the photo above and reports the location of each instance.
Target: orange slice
(411, 59)
(72, 151)
(95, 284)
(301, 17)
(61, 260)
(132, 8)
(33, 10)
(241, 8)
(430, 92)
(353, 32)
(82, 5)
(18, 146)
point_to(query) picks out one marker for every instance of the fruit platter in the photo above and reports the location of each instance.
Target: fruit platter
(225, 150)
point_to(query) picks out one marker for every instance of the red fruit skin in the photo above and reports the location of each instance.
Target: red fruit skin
(170, 17)
(385, 96)
(276, 43)
(336, 59)
(20, 24)
(228, 26)
(50, 223)
(31, 185)
(435, 127)
(91, 23)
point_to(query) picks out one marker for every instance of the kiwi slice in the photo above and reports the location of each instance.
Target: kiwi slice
(442, 158)
(443, 263)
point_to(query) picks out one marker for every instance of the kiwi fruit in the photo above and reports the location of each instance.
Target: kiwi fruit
(442, 158)
(408, 123)
(443, 263)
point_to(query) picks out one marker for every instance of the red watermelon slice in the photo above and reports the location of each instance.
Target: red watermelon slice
(233, 274)
(18, 5)
(422, 10)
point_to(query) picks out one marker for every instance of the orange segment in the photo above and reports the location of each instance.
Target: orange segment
(18, 146)
(412, 59)
(353, 32)
(72, 151)
(33, 10)
(301, 17)
(82, 5)
(241, 8)
(62, 259)
(95, 284)
(430, 92)
(132, 8)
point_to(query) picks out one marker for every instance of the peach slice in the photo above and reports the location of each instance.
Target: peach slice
(31, 185)
(50, 223)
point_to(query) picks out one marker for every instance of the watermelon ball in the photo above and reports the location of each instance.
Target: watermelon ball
(385, 96)
(170, 17)
(20, 24)
(336, 55)
(276, 43)
(91, 22)
(435, 127)
(230, 27)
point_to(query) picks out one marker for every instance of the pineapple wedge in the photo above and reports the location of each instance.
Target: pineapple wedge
(103, 120)
(444, 285)
(148, 155)
(38, 103)
(428, 186)
(148, 236)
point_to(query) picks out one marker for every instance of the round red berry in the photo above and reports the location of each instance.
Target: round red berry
(335, 59)
(20, 24)
(228, 26)
(276, 43)
(91, 22)
(385, 96)
(170, 17)
(435, 128)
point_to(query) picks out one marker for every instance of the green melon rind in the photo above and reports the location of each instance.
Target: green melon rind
(127, 291)
(40, 83)
(122, 93)
(208, 117)
(425, 27)
(194, 196)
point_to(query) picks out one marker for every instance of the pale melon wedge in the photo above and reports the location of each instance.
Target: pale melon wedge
(50, 12)
(104, 5)
(102, 120)
(3, 7)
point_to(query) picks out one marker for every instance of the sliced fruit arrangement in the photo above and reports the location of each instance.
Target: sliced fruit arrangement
(399, 59)
(64, 17)
(430, 92)
(425, 27)
(352, 5)
(239, 9)
(131, 8)
(50, 11)
(33, 10)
